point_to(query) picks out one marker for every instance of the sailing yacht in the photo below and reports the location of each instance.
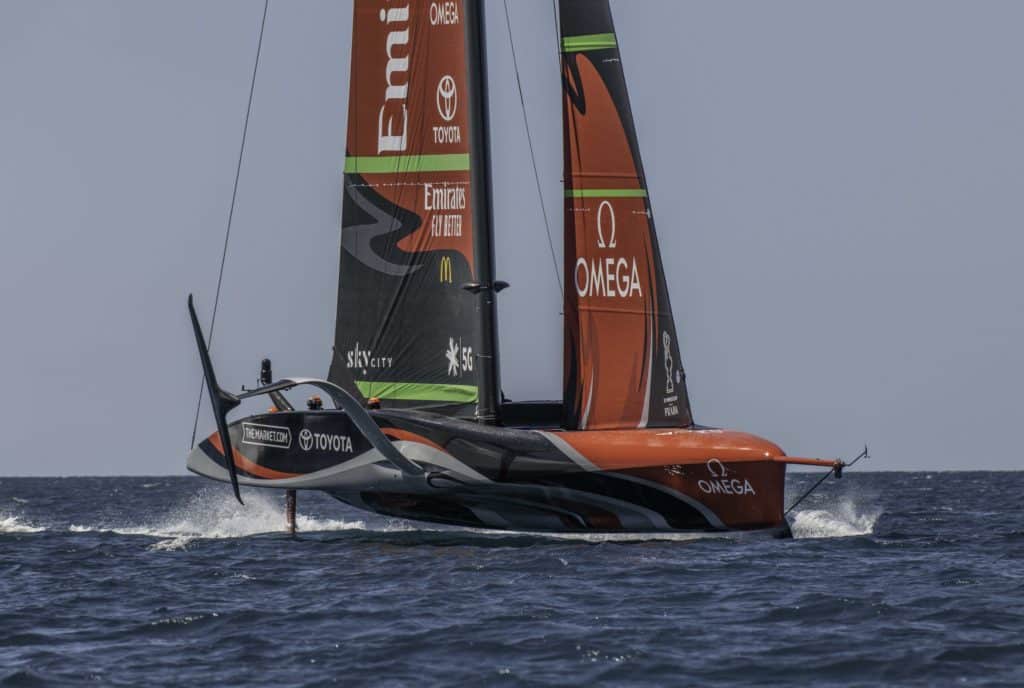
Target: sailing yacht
(417, 427)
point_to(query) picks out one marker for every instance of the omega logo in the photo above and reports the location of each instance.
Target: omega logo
(600, 225)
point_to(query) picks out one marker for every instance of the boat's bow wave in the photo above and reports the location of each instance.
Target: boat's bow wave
(842, 518)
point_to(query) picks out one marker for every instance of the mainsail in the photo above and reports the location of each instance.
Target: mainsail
(414, 213)
(622, 367)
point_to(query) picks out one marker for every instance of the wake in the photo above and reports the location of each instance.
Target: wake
(13, 524)
(213, 515)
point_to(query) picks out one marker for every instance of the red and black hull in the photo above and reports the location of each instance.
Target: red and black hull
(645, 480)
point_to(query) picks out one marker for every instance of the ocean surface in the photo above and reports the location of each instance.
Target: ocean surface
(892, 578)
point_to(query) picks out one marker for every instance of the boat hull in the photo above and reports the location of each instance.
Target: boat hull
(644, 480)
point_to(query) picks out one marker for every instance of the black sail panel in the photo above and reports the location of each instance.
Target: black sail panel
(622, 367)
(405, 331)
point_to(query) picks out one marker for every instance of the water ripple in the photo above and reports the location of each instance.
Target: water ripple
(169, 581)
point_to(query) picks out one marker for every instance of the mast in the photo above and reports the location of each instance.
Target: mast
(484, 288)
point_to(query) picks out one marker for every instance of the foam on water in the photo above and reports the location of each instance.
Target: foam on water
(842, 518)
(213, 514)
(13, 524)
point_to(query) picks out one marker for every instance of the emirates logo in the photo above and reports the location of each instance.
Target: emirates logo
(447, 98)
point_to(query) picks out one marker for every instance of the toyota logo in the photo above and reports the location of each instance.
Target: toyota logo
(447, 98)
(306, 439)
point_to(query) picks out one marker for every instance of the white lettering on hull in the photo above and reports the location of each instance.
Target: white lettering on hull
(266, 435)
(322, 441)
(730, 486)
(718, 483)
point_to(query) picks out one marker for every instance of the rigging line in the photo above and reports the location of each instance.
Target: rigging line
(808, 493)
(231, 212)
(533, 156)
(558, 31)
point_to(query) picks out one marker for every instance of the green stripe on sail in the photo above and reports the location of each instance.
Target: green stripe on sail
(399, 164)
(606, 193)
(593, 41)
(418, 391)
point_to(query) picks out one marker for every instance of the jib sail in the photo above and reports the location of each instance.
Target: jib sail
(622, 367)
(414, 208)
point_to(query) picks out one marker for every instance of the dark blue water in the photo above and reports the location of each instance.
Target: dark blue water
(898, 578)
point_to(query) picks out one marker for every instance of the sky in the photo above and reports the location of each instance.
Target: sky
(837, 189)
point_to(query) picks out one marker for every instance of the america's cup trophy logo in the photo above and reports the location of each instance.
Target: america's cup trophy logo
(666, 344)
(447, 98)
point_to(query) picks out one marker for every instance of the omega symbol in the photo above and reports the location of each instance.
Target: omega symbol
(447, 98)
(716, 468)
(600, 225)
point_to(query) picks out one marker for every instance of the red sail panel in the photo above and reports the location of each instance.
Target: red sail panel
(408, 134)
(622, 365)
(406, 332)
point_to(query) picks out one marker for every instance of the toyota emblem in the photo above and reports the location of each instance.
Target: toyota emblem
(447, 98)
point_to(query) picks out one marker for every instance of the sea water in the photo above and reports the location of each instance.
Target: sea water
(892, 578)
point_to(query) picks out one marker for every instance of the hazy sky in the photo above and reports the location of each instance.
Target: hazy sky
(838, 188)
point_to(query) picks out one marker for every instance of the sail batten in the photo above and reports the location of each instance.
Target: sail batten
(593, 41)
(399, 164)
(605, 193)
(622, 367)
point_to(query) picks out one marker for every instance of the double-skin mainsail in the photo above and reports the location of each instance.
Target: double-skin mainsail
(416, 226)
(622, 367)
(415, 213)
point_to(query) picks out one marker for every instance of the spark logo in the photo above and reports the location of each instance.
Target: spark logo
(459, 357)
